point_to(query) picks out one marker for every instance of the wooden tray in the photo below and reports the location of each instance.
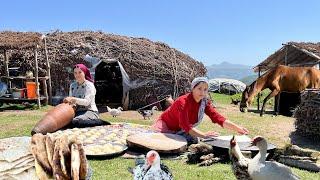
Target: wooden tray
(161, 142)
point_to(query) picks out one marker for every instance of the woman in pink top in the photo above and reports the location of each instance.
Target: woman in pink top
(187, 112)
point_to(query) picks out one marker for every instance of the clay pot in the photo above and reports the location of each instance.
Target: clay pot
(56, 118)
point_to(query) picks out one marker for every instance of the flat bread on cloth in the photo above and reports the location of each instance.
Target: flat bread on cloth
(16, 160)
(6, 165)
(14, 148)
(24, 175)
(161, 142)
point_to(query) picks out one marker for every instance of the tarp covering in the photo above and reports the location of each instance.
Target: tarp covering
(226, 86)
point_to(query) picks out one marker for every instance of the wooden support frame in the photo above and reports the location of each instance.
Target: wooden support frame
(48, 72)
(33, 43)
(6, 66)
(258, 99)
(37, 76)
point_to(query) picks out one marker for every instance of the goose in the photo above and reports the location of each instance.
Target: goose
(115, 112)
(257, 168)
(147, 113)
(151, 168)
(238, 161)
(260, 169)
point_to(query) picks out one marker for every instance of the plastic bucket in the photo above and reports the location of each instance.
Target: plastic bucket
(31, 90)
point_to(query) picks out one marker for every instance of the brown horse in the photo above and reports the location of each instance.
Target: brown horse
(278, 79)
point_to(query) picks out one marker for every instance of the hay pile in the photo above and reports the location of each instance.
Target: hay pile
(19, 40)
(141, 58)
(307, 114)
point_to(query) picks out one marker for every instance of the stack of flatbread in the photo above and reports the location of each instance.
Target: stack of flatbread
(59, 158)
(16, 160)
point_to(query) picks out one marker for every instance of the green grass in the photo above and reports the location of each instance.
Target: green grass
(226, 99)
(20, 123)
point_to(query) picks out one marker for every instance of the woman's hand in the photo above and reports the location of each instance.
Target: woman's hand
(242, 130)
(70, 100)
(232, 126)
(211, 134)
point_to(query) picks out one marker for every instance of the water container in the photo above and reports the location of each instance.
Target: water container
(56, 118)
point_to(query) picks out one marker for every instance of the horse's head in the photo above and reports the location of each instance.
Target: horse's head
(247, 97)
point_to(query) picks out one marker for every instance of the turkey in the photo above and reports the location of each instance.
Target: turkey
(260, 169)
(147, 113)
(151, 168)
(115, 112)
(238, 161)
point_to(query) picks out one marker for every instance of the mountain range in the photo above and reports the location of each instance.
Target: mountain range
(232, 71)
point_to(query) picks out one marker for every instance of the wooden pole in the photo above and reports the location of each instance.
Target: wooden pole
(45, 91)
(6, 62)
(277, 98)
(6, 67)
(258, 99)
(48, 71)
(37, 77)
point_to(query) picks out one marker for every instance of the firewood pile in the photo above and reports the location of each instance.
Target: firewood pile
(307, 114)
(141, 58)
(203, 155)
(295, 156)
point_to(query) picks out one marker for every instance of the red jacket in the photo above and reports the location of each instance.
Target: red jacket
(183, 114)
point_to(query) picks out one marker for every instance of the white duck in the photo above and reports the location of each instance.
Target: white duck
(147, 113)
(115, 112)
(260, 169)
(151, 169)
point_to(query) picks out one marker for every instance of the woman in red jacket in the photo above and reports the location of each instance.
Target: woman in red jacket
(187, 112)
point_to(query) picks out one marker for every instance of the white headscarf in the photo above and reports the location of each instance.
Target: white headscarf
(203, 102)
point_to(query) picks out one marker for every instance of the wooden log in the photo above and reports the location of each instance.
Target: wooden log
(295, 150)
(299, 163)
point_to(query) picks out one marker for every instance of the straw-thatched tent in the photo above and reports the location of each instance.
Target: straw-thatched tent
(148, 70)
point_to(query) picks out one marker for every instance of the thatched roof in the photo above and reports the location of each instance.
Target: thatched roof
(298, 54)
(140, 57)
(19, 40)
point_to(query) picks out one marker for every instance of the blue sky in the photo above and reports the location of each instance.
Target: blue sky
(241, 32)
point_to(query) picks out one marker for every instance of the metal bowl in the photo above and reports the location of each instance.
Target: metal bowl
(124, 148)
(244, 145)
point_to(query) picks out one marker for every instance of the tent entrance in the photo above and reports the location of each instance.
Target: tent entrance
(108, 82)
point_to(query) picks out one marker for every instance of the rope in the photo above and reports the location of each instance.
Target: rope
(153, 103)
